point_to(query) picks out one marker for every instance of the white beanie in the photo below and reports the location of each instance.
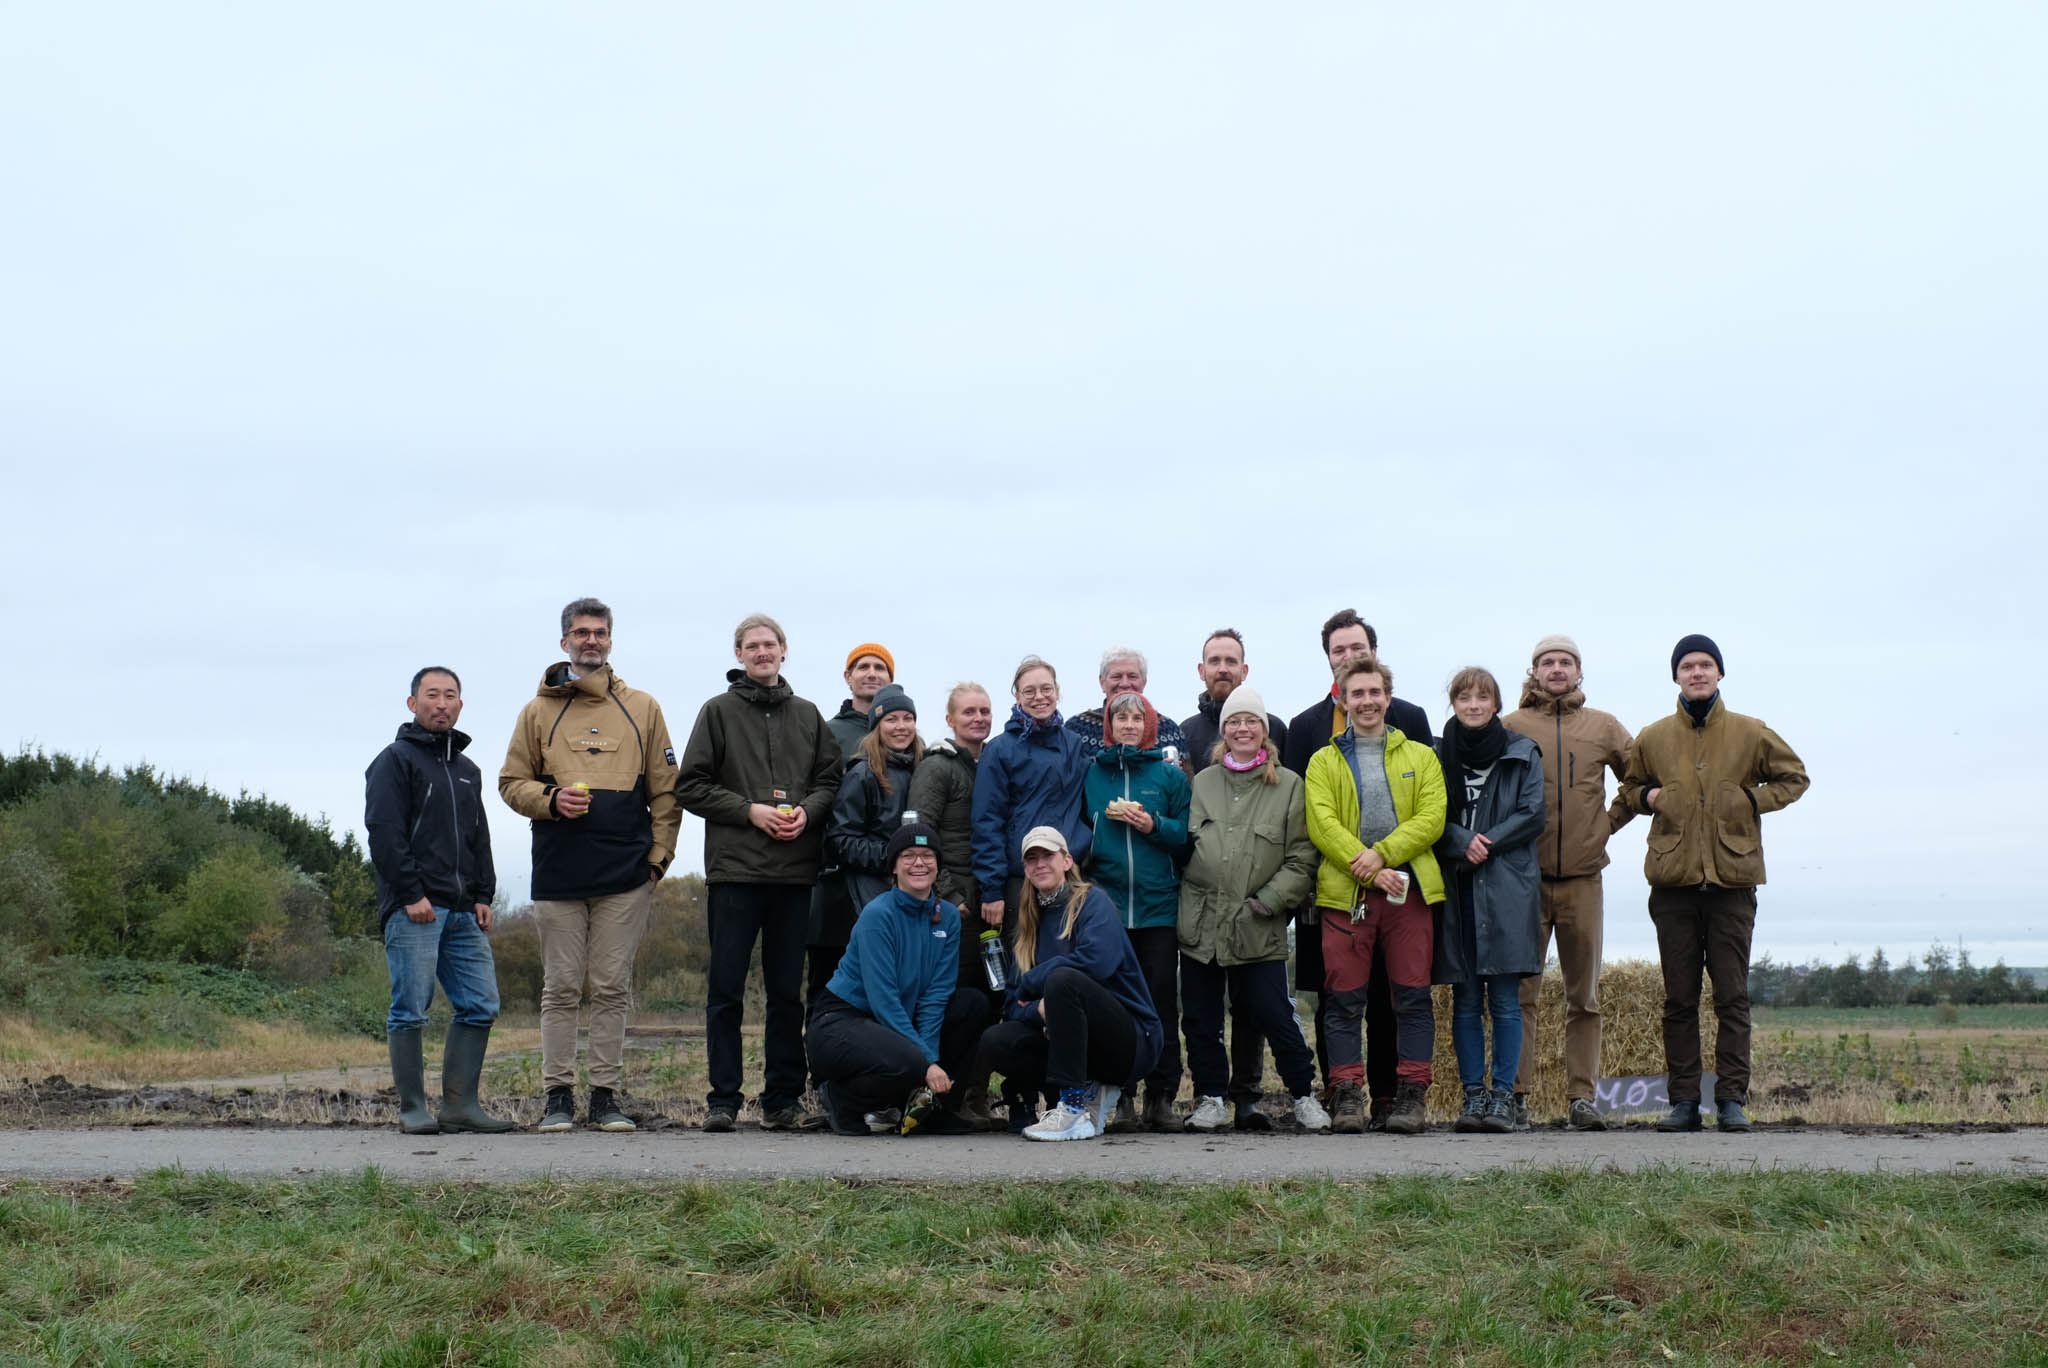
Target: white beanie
(1243, 699)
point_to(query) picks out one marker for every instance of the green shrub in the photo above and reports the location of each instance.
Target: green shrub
(35, 914)
(228, 902)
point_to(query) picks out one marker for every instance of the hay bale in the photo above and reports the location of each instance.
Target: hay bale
(1631, 1036)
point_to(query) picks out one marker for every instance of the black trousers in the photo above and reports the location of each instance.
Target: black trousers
(1259, 988)
(1247, 1049)
(737, 914)
(871, 1066)
(1086, 1035)
(1158, 950)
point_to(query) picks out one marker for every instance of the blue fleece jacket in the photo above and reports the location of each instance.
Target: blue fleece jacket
(1100, 949)
(901, 964)
(1139, 870)
(1030, 776)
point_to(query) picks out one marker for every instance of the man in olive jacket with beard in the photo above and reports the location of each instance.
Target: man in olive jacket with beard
(761, 768)
(1705, 776)
(1580, 746)
(591, 765)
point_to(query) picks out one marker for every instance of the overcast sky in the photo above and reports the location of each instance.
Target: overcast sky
(336, 342)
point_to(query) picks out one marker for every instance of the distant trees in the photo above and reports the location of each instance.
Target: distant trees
(1939, 977)
(130, 863)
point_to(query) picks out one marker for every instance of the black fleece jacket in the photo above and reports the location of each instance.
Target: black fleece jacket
(423, 807)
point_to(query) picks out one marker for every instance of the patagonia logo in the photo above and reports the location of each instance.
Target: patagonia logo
(1407, 774)
(671, 754)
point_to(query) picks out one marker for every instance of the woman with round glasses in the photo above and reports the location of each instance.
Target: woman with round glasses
(892, 1029)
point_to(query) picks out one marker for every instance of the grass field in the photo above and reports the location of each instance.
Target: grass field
(1874, 1066)
(1535, 1268)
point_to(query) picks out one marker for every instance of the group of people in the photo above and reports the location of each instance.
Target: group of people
(1011, 921)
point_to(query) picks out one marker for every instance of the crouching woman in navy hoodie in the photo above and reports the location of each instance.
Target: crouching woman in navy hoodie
(1079, 1019)
(891, 1019)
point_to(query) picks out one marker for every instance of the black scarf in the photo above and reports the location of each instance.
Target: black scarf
(1480, 747)
(1698, 708)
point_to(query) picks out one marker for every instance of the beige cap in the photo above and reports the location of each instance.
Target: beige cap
(1045, 838)
(1556, 643)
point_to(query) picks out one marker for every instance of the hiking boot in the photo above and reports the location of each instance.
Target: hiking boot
(1473, 1117)
(1064, 1122)
(559, 1114)
(1382, 1108)
(605, 1113)
(787, 1117)
(1584, 1116)
(1729, 1115)
(1159, 1112)
(1309, 1114)
(1521, 1118)
(1249, 1118)
(409, 1077)
(1499, 1117)
(1210, 1115)
(1683, 1116)
(718, 1121)
(885, 1121)
(843, 1120)
(974, 1112)
(1347, 1116)
(462, 1069)
(1125, 1119)
(1407, 1116)
(810, 1111)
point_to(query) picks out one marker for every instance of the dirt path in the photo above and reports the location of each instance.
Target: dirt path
(292, 1152)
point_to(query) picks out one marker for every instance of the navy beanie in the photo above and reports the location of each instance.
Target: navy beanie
(910, 836)
(890, 698)
(1696, 642)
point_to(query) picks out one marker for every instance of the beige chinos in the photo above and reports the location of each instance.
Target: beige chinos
(589, 943)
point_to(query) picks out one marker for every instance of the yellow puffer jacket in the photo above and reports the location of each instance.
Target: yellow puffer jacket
(1417, 781)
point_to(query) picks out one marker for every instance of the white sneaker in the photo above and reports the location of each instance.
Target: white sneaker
(1102, 1098)
(1210, 1115)
(1063, 1123)
(1309, 1114)
(885, 1122)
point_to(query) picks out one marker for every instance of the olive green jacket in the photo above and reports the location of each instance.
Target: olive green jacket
(1249, 840)
(1716, 781)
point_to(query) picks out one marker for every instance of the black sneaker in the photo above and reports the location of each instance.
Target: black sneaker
(605, 1114)
(721, 1121)
(1683, 1116)
(560, 1112)
(1248, 1118)
(1520, 1120)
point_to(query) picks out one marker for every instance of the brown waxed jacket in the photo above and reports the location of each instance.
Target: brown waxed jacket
(598, 732)
(1716, 780)
(1578, 744)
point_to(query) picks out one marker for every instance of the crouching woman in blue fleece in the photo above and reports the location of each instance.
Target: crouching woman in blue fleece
(1079, 1019)
(891, 1019)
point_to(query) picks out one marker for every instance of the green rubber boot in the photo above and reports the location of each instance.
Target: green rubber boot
(461, 1069)
(409, 1076)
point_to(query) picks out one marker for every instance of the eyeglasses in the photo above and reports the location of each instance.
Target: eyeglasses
(919, 857)
(1039, 691)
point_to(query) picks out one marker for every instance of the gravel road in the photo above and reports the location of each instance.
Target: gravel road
(289, 1152)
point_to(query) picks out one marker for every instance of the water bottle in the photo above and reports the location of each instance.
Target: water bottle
(992, 960)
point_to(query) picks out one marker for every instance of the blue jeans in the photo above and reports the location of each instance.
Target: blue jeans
(1504, 1003)
(452, 948)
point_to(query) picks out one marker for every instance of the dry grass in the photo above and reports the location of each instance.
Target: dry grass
(251, 1050)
